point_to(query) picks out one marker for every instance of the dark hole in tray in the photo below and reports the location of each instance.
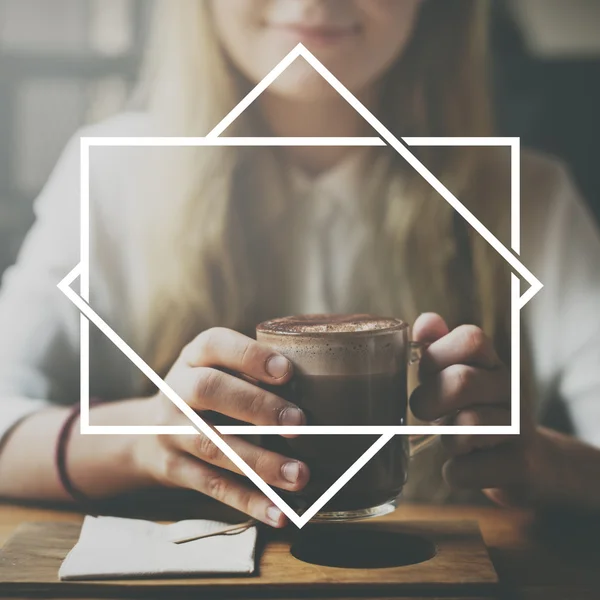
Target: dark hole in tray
(360, 548)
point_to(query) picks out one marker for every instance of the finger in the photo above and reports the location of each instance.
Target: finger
(273, 468)
(220, 347)
(204, 388)
(466, 345)
(459, 387)
(181, 470)
(497, 467)
(456, 445)
(428, 328)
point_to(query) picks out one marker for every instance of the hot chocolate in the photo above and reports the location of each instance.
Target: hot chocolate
(349, 370)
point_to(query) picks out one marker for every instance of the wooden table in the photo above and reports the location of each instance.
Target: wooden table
(533, 560)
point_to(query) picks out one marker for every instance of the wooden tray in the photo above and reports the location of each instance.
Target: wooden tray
(30, 560)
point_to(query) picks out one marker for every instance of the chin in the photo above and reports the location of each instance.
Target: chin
(301, 82)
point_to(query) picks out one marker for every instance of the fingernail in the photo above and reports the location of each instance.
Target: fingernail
(277, 366)
(274, 515)
(292, 416)
(291, 471)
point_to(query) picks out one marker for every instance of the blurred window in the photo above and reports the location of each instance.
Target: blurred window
(547, 72)
(63, 63)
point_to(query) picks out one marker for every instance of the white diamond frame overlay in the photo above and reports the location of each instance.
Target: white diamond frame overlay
(213, 139)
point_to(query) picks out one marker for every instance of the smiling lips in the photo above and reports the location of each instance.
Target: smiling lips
(319, 35)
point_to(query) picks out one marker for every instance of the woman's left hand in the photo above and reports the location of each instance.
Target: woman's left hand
(463, 379)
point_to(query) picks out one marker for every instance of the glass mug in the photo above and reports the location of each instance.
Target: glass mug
(348, 370)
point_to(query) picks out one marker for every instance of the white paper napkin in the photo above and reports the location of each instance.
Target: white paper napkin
(113, 548)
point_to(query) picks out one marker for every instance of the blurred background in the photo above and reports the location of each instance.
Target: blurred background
(64, 63)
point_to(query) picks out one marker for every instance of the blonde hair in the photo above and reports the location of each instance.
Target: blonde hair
(208, 258)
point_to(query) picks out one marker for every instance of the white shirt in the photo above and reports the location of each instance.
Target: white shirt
(334, 236)
(39, 350)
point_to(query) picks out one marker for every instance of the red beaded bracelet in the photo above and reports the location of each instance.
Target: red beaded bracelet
(60, 456)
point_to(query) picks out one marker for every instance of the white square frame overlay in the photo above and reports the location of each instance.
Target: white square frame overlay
(213, 139)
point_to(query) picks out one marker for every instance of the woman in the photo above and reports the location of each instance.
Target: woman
(190, 249)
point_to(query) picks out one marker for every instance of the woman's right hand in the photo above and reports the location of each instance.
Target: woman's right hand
(193, 461)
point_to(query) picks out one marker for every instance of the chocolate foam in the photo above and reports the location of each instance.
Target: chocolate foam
(338, 344)
(324, 323)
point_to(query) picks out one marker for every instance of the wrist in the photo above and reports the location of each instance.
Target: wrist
(565, 472)
(543, 476)
(106, 465)
(135, 450)
(141, 452)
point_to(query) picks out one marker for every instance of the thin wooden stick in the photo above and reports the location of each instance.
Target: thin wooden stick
(233, 530)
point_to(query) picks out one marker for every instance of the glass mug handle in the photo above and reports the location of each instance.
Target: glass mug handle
(421, 442)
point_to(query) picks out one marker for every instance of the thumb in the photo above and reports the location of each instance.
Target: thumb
(429, 327)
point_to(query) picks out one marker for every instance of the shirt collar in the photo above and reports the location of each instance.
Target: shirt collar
(338, 185)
